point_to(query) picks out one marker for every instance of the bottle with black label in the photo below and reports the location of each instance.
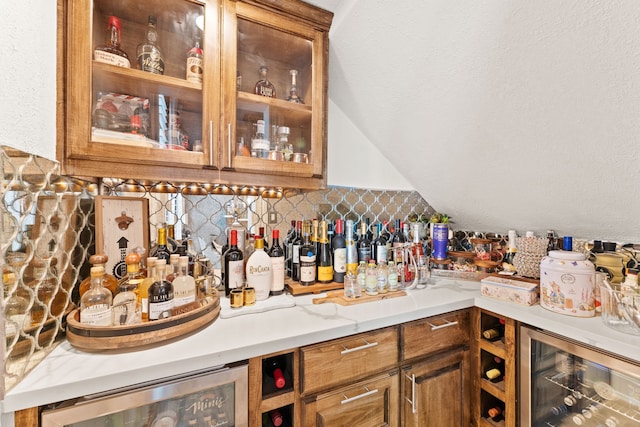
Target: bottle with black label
(160, 294)
(364, 244)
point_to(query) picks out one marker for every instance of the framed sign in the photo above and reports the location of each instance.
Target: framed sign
(122, 224)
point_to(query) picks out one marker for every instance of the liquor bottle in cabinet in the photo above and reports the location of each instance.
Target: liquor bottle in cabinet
(567, 383)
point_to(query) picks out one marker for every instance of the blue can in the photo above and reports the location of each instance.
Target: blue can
(440, 240)
(567, 243)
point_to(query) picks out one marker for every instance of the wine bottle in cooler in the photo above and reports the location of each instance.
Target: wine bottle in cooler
(339, 248)
(352, 251)
(324, 259)
(276, 252)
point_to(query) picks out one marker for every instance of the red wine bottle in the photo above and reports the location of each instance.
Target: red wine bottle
(276, 418)
(274, 367)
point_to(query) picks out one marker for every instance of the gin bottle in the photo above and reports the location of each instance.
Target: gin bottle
(95, 305)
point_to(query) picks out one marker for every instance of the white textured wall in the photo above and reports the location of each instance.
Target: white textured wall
(28, 76)
(505, 114)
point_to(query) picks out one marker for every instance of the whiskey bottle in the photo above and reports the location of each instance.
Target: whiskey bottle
(110, 53)
(148, 53)
(109, 281)
(293, 90)
(143, 291)
(264, 87)
(160, 294)
(184, 285)
(95, 304)
(194, 63)
(258, 271)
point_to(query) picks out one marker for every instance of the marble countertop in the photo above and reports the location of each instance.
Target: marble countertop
(68, 373)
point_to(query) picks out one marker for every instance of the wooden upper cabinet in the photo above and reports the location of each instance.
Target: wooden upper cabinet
(129, 123)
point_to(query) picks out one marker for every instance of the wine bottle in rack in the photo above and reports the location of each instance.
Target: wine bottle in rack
(493, 333)
(273, 370)
(494, 372)
(496, 413)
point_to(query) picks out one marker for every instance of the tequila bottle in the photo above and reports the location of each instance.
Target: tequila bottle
(293, 90)
(264, 87)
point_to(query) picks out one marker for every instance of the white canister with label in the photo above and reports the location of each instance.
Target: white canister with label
(567, 284)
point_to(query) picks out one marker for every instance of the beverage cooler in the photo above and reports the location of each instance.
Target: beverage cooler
(564, 383)
(213, 398)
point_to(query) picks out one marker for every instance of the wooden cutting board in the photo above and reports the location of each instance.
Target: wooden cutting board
(337, 297)
(297, 289)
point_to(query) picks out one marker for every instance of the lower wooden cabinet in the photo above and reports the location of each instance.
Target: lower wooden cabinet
(435, 391)
(369, 403)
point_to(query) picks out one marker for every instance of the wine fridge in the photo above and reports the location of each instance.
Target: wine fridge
(565, 383)
(206, 399)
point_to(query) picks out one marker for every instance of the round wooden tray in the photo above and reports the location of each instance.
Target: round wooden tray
(122, 337)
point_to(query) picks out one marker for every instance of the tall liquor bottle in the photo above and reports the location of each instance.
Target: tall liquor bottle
(364, 244)
(276, 252)
(233, 265)
(288, 241)
(143, 288)
(160, 293)
(258, 270)
(95, 304)
(194, 63)
(324, 259)
(379, 247)
(307, 261)
(110, 53)
(109, 281)
(350, 244)
(293, 89)
(162, 251)
(184, 285)
(339, 248)
(295, 253)
(148, 53)
(263, 86)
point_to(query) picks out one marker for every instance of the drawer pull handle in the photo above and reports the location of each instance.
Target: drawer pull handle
(362, 347)
(413, 393)
(210, 142)
(444, 325)
(360, 396)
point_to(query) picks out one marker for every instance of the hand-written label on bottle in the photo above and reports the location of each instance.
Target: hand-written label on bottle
(111, 58)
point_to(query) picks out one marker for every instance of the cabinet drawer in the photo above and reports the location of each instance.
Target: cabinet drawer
(434, 334)
(370, 403)
(337, 362)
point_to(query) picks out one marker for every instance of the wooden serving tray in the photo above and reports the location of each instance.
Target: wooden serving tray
(338, 297)
(121, 337)
(297, 289)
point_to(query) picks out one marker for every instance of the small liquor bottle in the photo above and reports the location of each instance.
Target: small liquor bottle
(194, 63)
(293, 90)
(264, 87)
(276, 252)
(148, 53)
(95, 304)
(160, 293)
(258, 270)
(109, 281)
(184, 285)
(110, 53)
(371, 280)
(124, 303)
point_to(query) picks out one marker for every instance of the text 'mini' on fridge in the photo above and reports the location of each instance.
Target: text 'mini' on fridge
(205, 399)
(565, 383)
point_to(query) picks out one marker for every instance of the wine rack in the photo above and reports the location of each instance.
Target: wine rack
(265, 396)
(495, 350)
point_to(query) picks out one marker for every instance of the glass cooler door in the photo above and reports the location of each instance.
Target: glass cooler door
(563, 383)
(209, 399)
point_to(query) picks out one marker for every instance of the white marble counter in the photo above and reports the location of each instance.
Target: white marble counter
(68, 373)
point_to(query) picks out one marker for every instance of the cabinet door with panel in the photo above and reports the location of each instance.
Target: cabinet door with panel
(275, 92)
(435, 391)
(369, 403)
(123, 120)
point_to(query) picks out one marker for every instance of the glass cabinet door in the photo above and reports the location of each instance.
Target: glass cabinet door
(212, 399)
(276, 126)
(137, 77)
(573, 385)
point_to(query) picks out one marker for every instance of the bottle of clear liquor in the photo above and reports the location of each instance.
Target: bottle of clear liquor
(125, 302)
(95, 305)
(149, 56)
(160, 293)
(263, 86)
(184, 285)
(110, 52)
